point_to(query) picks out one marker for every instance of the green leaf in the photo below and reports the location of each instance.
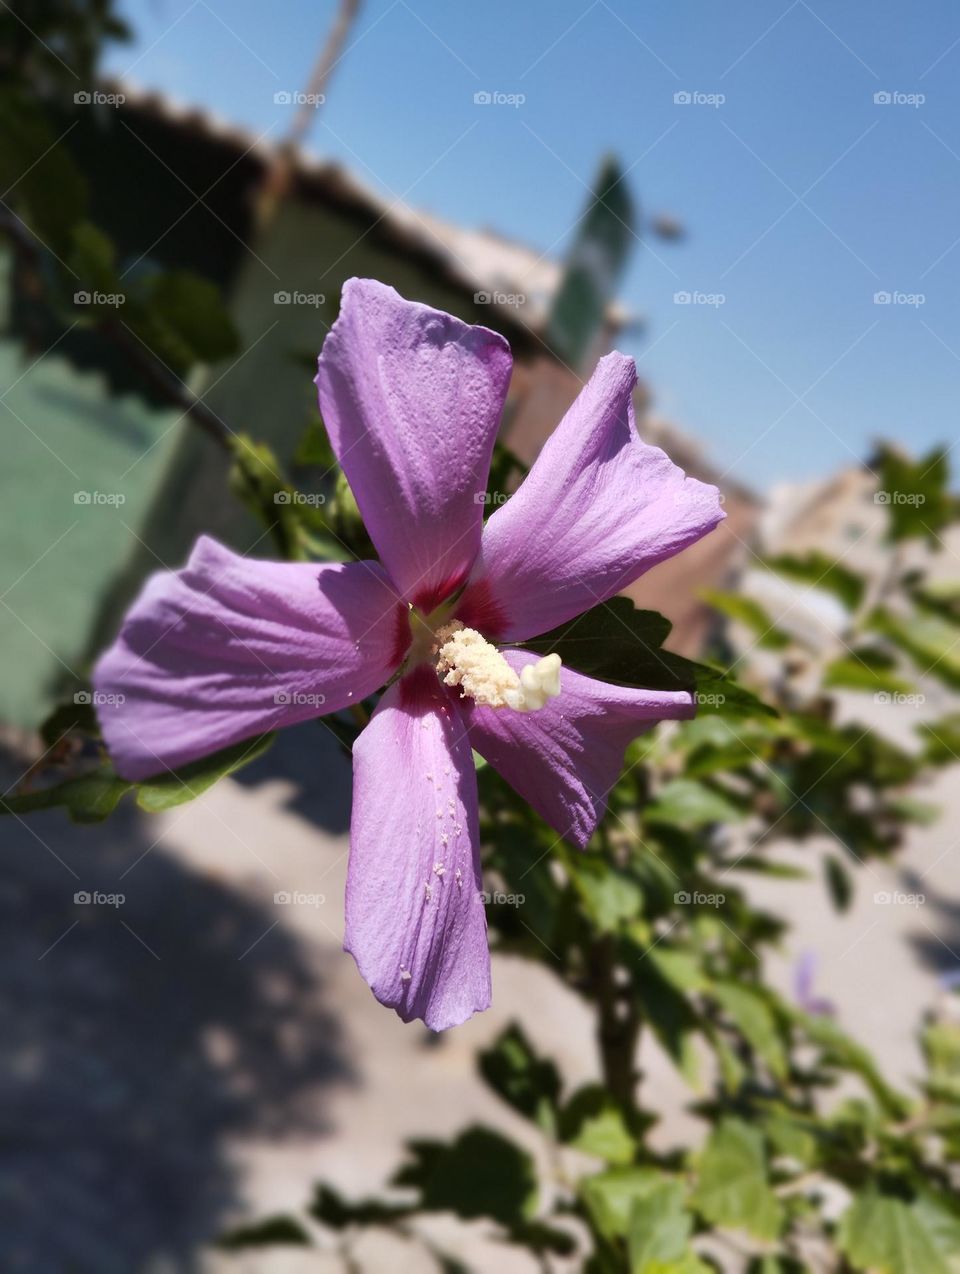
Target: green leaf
(610, 1197)
(840, 1051)
(613, 640)
(869, 668)
(752, 1017)
(839, 882)
(89, 798)
(314, 449)
(481, 1174)
(682, 969)
(886, 1236)
(744, 610)
(942, 739)
(38, 175)
(592, 1122)
(277, 1231)
(819, 571)
(660, 1225)
(931, 642)
(733, 1188)
(176, 787)
(690, 805)
(93, 258)
(79, 715)
(610, 897)
(530, 1084)
(790, 1136)
(616, 642)
(192, 323)
(671, 1015)
(915, 493)
(939, 1215)
(941, 597)
(941, 1048)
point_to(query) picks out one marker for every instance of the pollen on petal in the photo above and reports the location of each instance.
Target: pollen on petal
(466, 659)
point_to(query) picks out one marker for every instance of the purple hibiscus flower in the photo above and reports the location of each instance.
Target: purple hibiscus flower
(228, 648)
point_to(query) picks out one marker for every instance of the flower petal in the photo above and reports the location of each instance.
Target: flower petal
(228, 648)
(415, 922)
(411, 398)
(565, 758)
(598, 508)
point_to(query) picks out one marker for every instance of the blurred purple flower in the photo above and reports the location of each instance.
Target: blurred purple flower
(804, 973)
(228, 648)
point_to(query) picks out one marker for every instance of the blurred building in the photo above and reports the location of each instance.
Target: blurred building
(176, 188)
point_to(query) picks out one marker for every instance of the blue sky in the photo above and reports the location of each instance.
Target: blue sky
(802, 196)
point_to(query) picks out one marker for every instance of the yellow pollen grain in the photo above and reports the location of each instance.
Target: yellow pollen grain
(467, 660)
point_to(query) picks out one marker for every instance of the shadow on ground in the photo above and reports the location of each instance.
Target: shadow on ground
(311, 758)
(138, 1040)
(936, 938)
